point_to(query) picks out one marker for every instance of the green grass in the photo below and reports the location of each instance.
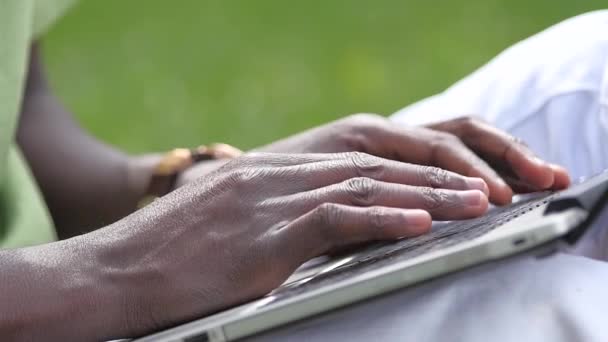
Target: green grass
(152, 74)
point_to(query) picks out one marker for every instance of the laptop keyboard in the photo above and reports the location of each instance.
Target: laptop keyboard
(443, 234)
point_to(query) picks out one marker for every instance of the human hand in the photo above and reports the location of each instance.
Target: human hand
(199, 170)
(464, 145)
(238, 233)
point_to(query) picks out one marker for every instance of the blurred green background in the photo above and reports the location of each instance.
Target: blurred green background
(153, 74)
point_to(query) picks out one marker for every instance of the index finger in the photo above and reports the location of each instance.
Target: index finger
(494, 144)
(433, 147)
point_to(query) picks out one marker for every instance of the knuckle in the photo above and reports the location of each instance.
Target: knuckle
(432, 199)
(434, 177)
(355, 130)
(353, 139)
(362, 190)
(243, 175)
(326, 214)
(467, 124)
(447, 138)
(443, 141)
(467, 120)
(378, 218)
(366, 165)
(325, 217)
(365, 119)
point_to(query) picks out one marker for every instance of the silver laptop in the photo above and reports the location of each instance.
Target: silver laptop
(537, 223)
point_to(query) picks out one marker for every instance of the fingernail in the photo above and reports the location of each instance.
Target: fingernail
(417, 221)
(417, 217)
(472, 197)
(478, 184)
(539, 161)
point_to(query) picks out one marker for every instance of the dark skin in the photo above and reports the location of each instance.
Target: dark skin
(233, 233)
(97, 174)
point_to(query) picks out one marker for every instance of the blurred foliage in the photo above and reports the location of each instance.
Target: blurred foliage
(152, 74)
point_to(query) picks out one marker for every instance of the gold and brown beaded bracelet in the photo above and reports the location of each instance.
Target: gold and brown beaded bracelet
(178, 160)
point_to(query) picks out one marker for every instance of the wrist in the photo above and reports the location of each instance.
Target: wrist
(140, 170)
(113, 285)
(167, 172)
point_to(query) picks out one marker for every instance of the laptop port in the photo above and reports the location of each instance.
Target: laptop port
(203, 337)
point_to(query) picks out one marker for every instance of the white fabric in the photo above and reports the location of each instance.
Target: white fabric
(551, 90)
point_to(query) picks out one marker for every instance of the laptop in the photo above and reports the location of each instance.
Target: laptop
(538, 223)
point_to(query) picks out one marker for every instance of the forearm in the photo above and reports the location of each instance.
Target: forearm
(85, 182)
